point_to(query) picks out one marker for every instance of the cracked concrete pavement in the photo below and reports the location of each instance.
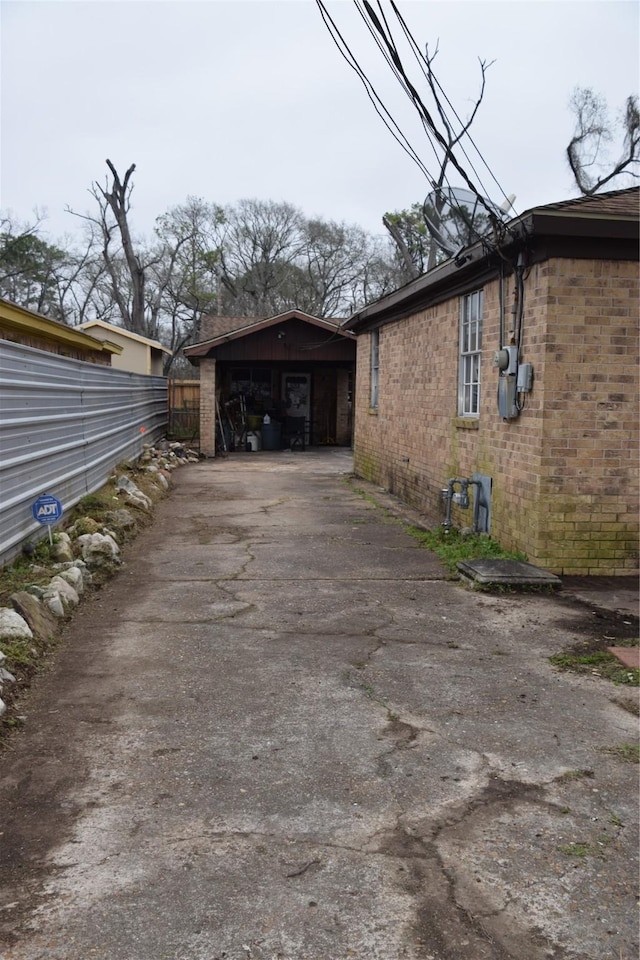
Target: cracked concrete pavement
(282, 731)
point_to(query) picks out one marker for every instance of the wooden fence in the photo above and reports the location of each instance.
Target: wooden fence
(183, 398)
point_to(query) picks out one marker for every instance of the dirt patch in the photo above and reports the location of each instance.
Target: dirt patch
(599, 628)
(597, 631)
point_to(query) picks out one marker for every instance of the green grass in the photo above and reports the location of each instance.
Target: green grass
(452, 547)
(580, 850)
(598, 663)
(574, 775)
(629, 752)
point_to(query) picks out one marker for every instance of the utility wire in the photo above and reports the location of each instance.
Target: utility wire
(389, 60)
(420, 56)
(380, 31)
(415, 97)
(379, 106)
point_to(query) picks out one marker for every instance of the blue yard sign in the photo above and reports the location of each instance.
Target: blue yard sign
(46, 509)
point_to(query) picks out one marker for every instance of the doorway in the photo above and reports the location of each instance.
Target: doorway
(296, 393)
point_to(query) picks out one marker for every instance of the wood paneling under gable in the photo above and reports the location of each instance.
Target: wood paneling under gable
(301, 343)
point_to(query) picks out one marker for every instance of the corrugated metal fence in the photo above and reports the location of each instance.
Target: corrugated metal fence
(64, 425)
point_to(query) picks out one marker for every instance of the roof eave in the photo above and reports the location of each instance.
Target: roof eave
(476, 262)
(202, 349)
(22, 319)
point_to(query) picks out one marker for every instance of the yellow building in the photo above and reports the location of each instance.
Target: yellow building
(138, 354)
(18, 325)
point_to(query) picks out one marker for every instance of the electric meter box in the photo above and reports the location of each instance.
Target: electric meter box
(525, 377)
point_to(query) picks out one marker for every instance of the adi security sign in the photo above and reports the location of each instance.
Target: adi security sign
(46, 509)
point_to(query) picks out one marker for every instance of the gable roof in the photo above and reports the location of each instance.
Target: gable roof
(605, 226)
(120, 331)
(251, 325)
(15, 317)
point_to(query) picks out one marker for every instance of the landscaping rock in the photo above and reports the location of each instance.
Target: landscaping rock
(73, 576)
(134, 494)
(98, 549)
(13, 626)
(83, 526)
(61, 549)
(121, 519)
(68, 595)
(55, 606)
(34, 590)
(40, 621)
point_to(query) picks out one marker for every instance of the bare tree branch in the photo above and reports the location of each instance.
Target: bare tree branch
(593, 129)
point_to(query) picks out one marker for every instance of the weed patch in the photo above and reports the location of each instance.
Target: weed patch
(598, 663)
(629, 752)
(453, 546)
(574, 775)
(580, 850)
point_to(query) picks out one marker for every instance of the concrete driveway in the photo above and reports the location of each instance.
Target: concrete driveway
(282, 732)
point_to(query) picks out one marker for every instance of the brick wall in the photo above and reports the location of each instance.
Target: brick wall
(564, 473)
(208, 407)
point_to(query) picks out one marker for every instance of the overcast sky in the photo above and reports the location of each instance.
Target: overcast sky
(230, 99)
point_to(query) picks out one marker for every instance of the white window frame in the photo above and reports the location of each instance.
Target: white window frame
(471, 307)
(374, 344)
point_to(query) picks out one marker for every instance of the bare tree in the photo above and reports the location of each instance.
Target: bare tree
(185, 276)
(594, 129)
(416, 249)
(124, 264)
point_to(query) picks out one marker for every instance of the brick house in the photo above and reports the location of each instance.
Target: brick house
(289, 366)
(516, 366)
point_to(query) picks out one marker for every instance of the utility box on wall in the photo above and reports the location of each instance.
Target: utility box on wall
(482, 511)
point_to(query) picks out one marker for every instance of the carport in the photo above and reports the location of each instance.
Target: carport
(294, 369)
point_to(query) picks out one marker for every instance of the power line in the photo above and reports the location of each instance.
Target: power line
(443, 147)
(376, 100)
(466, 133)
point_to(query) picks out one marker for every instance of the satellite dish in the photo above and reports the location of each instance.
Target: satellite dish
(456, 217)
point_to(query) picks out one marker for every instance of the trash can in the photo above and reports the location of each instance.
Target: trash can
(271, 435)
(253, 441)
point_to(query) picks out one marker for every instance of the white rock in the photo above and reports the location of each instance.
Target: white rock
(98, 548)
(54, 604)
(12, 626)
(73, 575)
(5, 675)
(67, 593)
(134, 501)
(128, 486)
(163, 481)
(3, 707)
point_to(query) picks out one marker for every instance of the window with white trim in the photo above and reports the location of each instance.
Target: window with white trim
(470, 349)
(375, 364)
